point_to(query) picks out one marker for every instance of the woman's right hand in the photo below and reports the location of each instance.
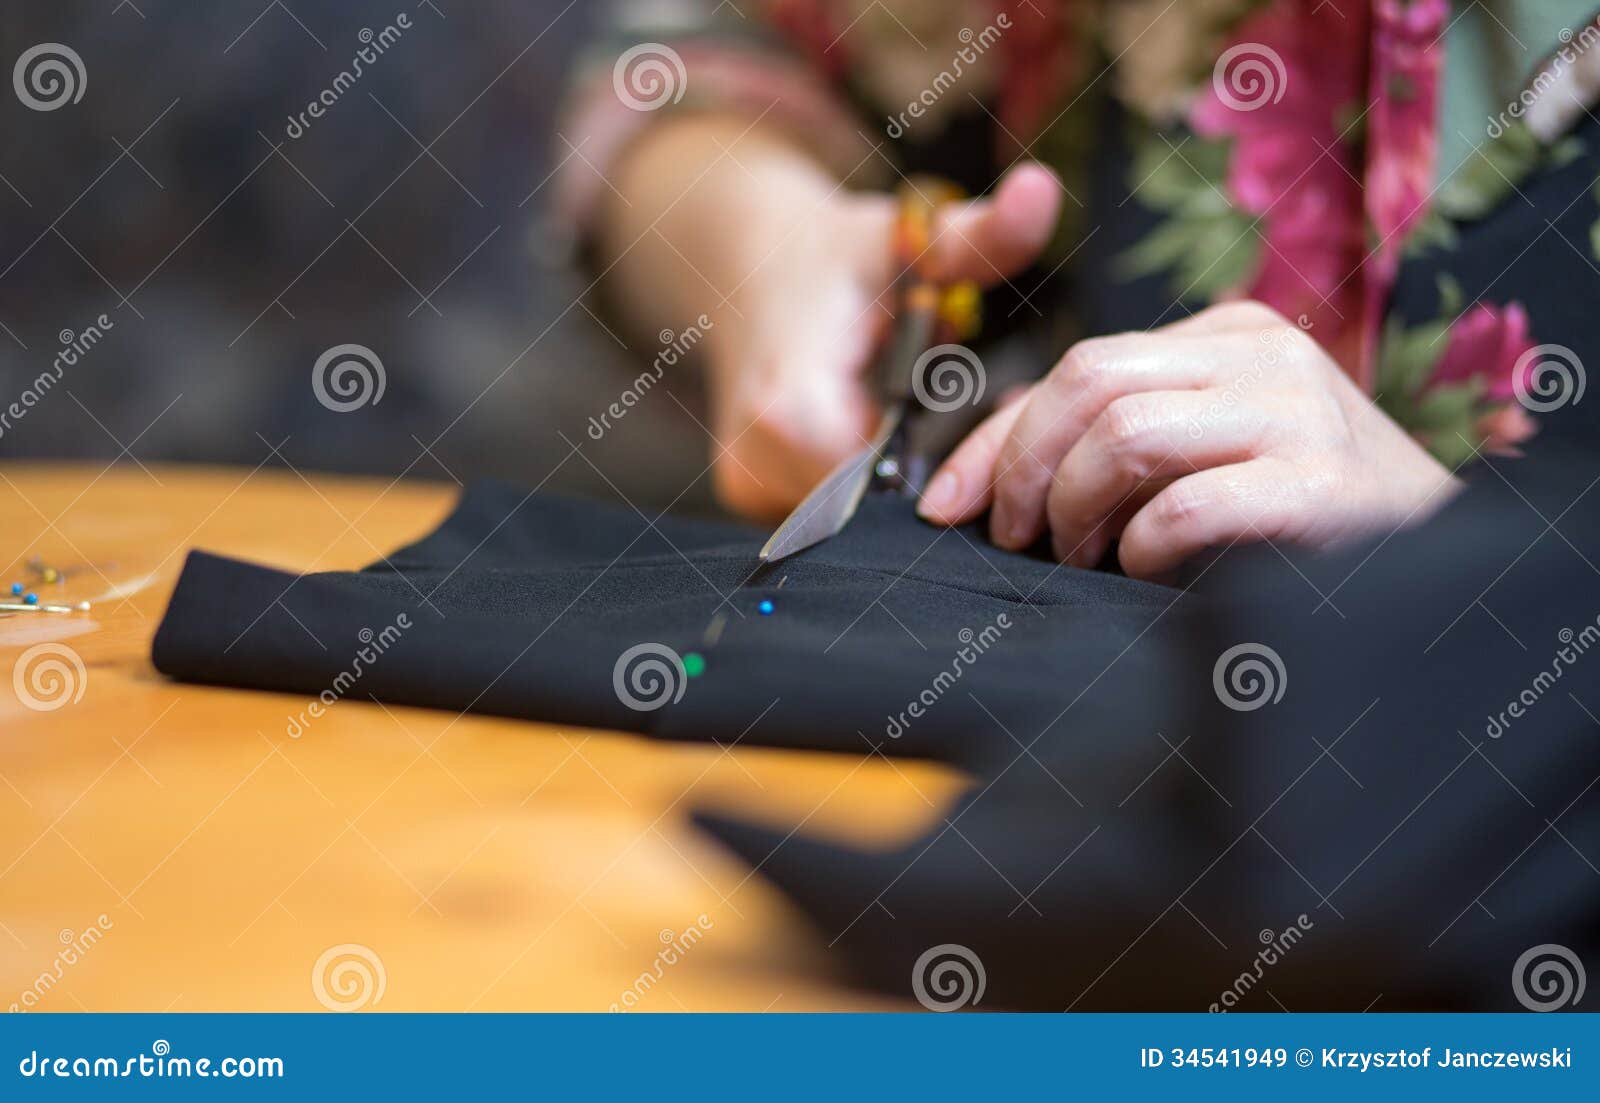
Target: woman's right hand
(793, 270)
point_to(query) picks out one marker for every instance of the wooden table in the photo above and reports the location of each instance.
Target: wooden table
(167, 846)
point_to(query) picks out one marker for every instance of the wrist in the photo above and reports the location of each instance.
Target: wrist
(699, 204)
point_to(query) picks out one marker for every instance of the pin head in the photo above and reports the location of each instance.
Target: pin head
(30, 599)
(765, 608)
(694, 664)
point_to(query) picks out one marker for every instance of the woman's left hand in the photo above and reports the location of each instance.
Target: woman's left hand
(1231, 425)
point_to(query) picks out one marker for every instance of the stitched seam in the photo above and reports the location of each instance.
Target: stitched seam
(702, 557)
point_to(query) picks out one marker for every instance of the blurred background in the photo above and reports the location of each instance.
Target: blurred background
(175, 198)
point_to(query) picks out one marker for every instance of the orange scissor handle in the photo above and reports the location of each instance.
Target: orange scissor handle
(957, 305)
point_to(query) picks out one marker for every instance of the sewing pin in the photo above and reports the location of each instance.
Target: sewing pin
(35, 607)
(16, 589)
(714, 630)
(46, 572)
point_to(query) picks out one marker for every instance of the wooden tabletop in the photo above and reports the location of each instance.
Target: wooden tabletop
(168, 847)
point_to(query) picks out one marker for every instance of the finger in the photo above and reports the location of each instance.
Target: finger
(996, 237)
(782, 422)
(1214, 508)
(1014, 393)
(961, 489)
(762, 468)
(822, 418)
(1092, 375)
(1245, 316)
(1136, 440)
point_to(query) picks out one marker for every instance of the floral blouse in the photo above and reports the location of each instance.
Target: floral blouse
(1299, 152)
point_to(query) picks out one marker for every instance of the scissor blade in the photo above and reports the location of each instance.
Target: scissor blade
(826, 510)
(833, 501)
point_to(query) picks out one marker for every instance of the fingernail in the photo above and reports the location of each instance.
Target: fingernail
(940, 497)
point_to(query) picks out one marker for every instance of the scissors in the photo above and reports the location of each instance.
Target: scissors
(926, 313)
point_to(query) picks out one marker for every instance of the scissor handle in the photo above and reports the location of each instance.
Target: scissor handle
(927, 312)
(956, 304)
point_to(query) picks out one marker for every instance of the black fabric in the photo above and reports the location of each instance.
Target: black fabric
(1152, 841)
(523, 605)
(1128, 838)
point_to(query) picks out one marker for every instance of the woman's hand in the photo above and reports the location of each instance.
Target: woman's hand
(791, 393)
(740, 225)
(1231, 425)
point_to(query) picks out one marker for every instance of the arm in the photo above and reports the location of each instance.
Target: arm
(713, 215)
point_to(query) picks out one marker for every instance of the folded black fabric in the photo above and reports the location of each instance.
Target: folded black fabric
(526, 605)
(1369, 779)
(1314, 782)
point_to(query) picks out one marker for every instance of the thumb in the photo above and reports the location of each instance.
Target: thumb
(996, 237)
